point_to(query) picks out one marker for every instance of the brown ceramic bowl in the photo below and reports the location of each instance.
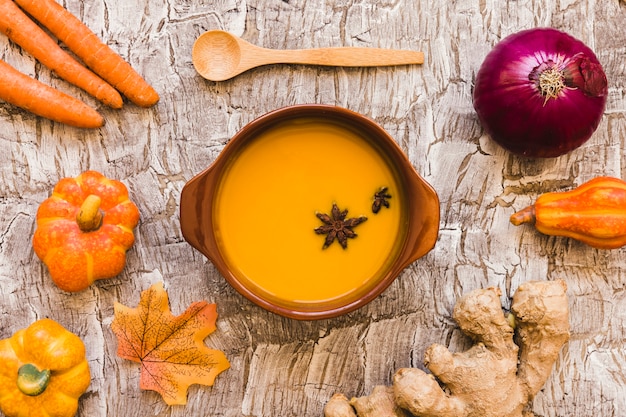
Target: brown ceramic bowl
(254, 211)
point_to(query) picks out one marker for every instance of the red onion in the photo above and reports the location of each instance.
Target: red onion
(540, 93)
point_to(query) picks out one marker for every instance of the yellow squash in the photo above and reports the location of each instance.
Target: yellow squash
(593, 213)
(84, 230)
(43, 371)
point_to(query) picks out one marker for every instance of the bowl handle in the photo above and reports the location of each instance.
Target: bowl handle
(422, 236)
(195, 214)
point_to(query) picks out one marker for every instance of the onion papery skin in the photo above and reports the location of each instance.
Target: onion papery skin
(516, 114)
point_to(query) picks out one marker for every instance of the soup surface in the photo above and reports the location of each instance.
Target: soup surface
(266, 205)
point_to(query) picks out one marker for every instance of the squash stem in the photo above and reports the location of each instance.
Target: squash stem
(31, 381)
(526, 215)
(89, 217)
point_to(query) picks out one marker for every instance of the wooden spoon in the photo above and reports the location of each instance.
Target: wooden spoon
(219, 55)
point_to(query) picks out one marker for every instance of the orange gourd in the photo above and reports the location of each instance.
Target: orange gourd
(84, 230)
(44, 371)
(593, 213)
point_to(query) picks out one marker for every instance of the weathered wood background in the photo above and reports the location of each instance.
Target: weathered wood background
(282, 367)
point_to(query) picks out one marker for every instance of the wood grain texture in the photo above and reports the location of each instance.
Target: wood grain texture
(282, 367)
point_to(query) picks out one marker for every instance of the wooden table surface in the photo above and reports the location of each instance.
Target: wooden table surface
(279, 366)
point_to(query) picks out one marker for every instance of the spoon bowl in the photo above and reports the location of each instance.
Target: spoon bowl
(218, 55)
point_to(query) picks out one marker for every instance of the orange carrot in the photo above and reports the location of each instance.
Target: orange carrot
(23, 31)
(87, 46)
(41, 99)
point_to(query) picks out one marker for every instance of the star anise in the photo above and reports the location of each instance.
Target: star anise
(380, 199)
(337, 226)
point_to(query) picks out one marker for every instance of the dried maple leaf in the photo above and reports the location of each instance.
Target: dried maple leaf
(171, 349)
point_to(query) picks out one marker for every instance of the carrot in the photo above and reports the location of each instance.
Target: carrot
(41, 99)
(23, 31)
(91, 50)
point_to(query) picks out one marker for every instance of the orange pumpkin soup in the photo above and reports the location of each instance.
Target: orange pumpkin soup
(265, 212)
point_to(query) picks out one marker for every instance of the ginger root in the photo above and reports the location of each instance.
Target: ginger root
(380, 403)
(498, 377)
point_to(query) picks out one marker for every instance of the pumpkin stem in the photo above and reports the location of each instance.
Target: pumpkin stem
(526, 215)
(31, 381)
(89, 217)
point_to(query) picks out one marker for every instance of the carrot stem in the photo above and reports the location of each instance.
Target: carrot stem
(23, 31)
(41, 99)
(91, 50)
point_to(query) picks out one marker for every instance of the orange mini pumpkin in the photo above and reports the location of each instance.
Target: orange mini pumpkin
(84, 230)
(44, 371)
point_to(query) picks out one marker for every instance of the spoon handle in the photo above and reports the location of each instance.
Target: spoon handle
(345, 57)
